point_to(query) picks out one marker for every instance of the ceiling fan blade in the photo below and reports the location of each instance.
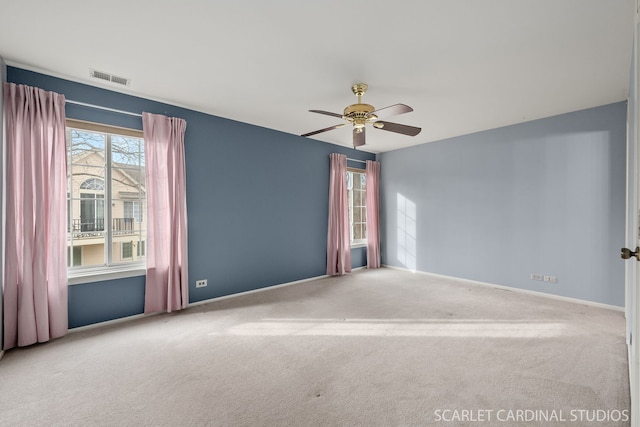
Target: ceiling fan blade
(327, 113)
(325, 129)
(358, 137)
(397, 128)
(392, 110)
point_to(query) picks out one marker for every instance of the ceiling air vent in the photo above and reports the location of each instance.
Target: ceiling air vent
(101, 75)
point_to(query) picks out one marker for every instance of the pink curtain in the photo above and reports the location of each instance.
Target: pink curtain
(338, 240)
(373, 214)
(167, 282)
(35, 280)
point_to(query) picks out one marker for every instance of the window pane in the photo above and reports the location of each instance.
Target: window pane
(82, 177)
(91, 212)
(131, 209)
(356, 198)
(74, 256)
(86, 251)
(356, 181)
(126, 150)
(357, 215)
(82, 145)
(92, 199)
(359, 199)
(86, 172)
(86, 235)
(126, 182)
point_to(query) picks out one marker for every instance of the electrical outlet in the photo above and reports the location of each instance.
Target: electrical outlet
(201, 283)
(535, 276)
(551, 279)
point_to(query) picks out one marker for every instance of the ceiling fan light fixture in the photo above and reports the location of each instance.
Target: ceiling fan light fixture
(378, 125)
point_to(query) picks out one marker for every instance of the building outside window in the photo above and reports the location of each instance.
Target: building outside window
(106, 196)
(356, 196)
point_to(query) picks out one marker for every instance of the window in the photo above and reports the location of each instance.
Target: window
(133, 209)
(106, 196)
(126, 250)
(356, 192)
(93, 184)
(91, 212)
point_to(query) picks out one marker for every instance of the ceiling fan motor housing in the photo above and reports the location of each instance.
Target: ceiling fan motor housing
(359, 114)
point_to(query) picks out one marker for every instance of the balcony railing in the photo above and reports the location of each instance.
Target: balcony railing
(84, 228)
(122, 224)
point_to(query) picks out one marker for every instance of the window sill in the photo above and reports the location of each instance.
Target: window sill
(358, 245)
(99, 274)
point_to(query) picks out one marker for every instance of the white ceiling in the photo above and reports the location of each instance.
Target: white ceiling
(463, 65)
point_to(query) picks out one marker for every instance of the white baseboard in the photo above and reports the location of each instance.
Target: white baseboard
(510, 288)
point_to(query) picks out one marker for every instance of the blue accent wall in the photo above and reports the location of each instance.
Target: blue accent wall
(99, 301)
(544, 197)
(257, 202)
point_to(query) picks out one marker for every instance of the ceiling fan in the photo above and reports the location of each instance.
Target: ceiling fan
(360, 114)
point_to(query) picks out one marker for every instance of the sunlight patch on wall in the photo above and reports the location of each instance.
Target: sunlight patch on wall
(406, 232)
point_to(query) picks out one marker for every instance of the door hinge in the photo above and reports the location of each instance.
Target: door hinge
(626, 253)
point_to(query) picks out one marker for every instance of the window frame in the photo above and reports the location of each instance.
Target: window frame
(92, 273)
(356, 243)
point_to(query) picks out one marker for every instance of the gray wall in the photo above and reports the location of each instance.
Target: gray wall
(546, 197)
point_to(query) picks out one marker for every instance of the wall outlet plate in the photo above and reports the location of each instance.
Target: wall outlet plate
(201, 283)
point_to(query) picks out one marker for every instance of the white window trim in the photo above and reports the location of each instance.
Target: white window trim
(80, 275)
(360, 243)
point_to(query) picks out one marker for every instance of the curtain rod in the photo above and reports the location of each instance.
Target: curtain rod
(356, 160)
(84, 104)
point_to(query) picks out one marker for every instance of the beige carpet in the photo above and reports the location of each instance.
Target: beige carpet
(375, 348)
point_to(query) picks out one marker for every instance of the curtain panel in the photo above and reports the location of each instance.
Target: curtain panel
(373, 213)
(35, 279)
(167, 281)
(338, 240)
